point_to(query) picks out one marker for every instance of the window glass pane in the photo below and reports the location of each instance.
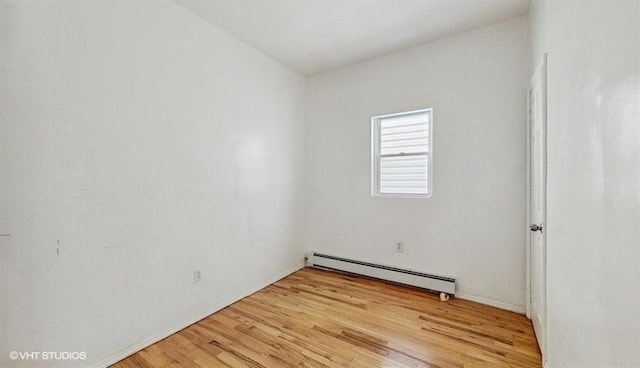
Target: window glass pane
(404, 134)
(404, 175)
(421, 117)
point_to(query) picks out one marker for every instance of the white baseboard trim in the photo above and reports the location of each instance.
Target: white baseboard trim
(118, 356)
(494, 303)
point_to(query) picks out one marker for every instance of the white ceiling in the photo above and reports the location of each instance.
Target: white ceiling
(314, 36)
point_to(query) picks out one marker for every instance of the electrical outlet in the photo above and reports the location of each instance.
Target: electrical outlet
(197, 275)
(399, 247)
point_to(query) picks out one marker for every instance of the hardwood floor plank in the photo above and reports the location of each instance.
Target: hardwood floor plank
(316, 318)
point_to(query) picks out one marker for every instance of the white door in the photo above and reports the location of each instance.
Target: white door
(537, 202)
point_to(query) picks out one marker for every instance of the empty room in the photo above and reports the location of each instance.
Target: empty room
(320, 183)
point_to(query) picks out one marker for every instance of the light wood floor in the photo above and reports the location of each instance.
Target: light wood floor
(316, 318)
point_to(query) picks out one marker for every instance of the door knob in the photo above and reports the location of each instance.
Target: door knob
(536, 227)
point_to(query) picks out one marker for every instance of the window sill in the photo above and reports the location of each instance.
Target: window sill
(414, 196)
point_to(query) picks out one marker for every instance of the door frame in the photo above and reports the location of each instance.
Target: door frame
(543, 66)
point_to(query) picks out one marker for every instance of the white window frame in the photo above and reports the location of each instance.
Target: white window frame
(375, 156)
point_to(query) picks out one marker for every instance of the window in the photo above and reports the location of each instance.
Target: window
(402, 154)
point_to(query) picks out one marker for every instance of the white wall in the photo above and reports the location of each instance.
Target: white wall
(593, 214)
(149, 144)
(472, 228)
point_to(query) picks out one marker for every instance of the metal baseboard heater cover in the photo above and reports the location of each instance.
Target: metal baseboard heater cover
(413, 278)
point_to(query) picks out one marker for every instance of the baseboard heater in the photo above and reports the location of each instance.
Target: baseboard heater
(413, 278)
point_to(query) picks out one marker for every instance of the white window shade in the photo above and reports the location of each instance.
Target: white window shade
(404, 175)
(402, 154)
